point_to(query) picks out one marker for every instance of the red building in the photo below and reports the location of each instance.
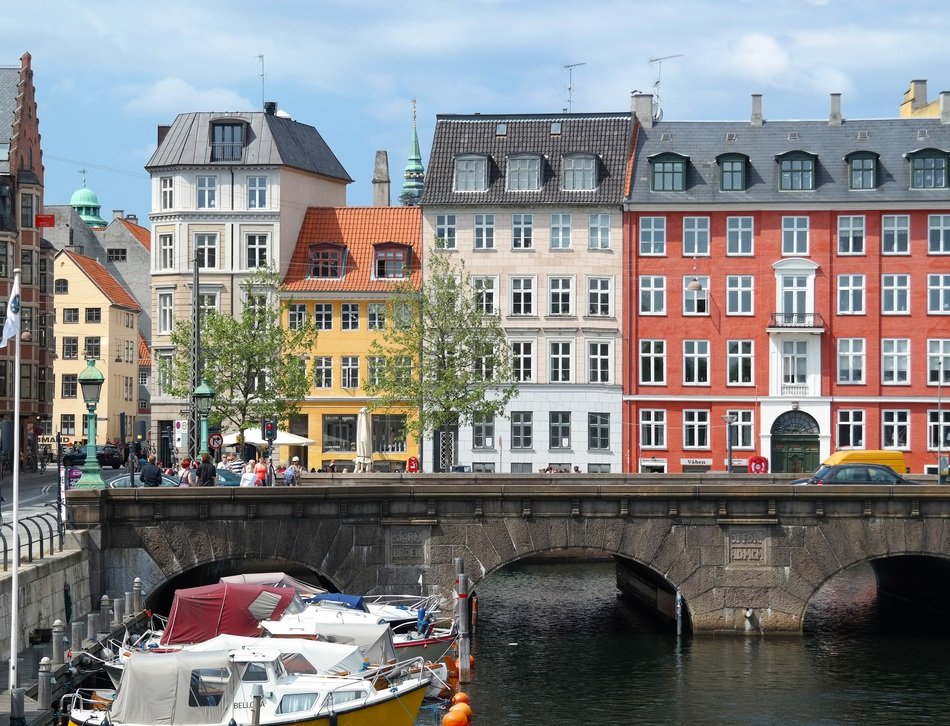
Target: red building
(788, 282)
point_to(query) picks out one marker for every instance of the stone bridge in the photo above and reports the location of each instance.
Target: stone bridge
(744, 552)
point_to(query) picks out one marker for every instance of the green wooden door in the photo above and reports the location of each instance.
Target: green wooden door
(795, 443)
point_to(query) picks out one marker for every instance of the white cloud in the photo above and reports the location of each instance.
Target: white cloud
(760, 58)
(171, 96)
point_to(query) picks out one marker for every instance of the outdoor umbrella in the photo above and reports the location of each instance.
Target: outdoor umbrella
(253, 437)
(364, 441)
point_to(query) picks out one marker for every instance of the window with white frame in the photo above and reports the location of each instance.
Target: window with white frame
(794, 362)
(375, 367)
(938, 361)
(349, 316)
(522, 296)
(695, 236)
(895, 428)
(445, 227)
(323, 316)
(471, 174)
(742, 429)
(850, 428)
(794, 235)
(522, 429)
(166, 312)
(207, 302)
(696, 302)
(928, 170)
(296, 316)
(206, 250)
(938, 294)
(653, 362)
(522, 359)
(350, 371)
(938, 234)
(851, 235)
(598, 296)
(695, 362)
(256, 250)
(167, 184)
(739, 362)
(938, 429)
(598, 431)
(207, 192)
(163, 372)
(598, 231)
(598, 362)
(522, 231)
(794, 298)
(560, 295)
(580, 172)
(166, 251)
(376, 316)
(850, 294)
(67, 424)
(851, 362)
(652, 428)
(559, 427)
(652, 295)
(323, 371)
(695, 429)
(560, 231)
(483, 431)
(895, 234)
(484, 289)
(560, 361)
(484, 231)
(402, 316)
(895, 360)
(895, 294)
(652, 236)
(257, 192)
(739, 290)
(739, 235)
(524, 173)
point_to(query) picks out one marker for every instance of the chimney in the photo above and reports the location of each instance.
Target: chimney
(643, 109)
(162, 133)
(918, 94)
(945, 107)
(133, 218)
(270, 107)
(834, 119)
(756, 119)
(381, 183)
(117, 214)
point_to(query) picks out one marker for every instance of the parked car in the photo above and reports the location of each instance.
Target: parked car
(854, 474)
(106, 455)
(121, 481)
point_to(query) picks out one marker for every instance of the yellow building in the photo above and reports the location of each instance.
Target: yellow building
(96, 318)
(344, 269)
(916, 105)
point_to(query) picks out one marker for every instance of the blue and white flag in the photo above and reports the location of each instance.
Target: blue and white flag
(11, 326)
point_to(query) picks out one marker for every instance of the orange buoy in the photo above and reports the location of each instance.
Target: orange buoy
(452, 665)
(462, 708)
(461, 697)
(455, 718)
(471, 661)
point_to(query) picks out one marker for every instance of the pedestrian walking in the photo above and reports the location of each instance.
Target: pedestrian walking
(186, 476)
(151, 475)
(207, 474)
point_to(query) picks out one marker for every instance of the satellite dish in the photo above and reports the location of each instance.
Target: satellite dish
(657, 112)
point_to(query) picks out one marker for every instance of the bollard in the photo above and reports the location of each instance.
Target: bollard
(92, 627)
(464, 633)
(17, 702)
(76, 644)
(138, 598)
(117, 604)
(129, 611)
(105, 611)
(59, 643)
(44, 683)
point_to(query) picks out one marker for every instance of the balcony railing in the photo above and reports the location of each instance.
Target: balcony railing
(796, 320)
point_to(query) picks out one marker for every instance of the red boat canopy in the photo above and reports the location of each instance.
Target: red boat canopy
(200, 613)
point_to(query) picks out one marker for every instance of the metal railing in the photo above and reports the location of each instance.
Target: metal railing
(41, 532)
(796, 320)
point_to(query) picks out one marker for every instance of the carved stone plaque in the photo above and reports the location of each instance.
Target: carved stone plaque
(407, 545)
(747, 547)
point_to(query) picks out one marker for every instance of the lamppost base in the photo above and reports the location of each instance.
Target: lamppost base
(91, 479)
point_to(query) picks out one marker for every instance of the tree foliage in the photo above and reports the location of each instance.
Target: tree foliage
(254, 364)
(444, 354)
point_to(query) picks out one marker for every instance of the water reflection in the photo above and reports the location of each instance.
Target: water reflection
(555, 646)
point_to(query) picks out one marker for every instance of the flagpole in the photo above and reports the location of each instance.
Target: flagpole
(13, 314)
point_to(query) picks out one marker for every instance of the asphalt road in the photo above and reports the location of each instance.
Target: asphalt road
(38, 492)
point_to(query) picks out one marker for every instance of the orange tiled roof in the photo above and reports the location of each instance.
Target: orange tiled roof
(359, 229)
(140, 233)
(145, 353)
(101, 278)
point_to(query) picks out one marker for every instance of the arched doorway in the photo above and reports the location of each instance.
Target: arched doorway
(795, 443)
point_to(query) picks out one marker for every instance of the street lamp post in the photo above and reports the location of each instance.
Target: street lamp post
(91, 380)
(729, 418)
(203, 395)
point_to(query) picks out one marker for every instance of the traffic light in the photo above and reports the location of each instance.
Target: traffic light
(269, 428)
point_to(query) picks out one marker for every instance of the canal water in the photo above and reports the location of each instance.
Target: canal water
(555, 646)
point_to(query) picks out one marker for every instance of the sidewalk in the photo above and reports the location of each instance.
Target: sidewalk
(27, 666)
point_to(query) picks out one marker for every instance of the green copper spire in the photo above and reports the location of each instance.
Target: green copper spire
(86, 204)
(415, 173)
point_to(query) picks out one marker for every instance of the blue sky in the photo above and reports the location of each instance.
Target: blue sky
(108, 72)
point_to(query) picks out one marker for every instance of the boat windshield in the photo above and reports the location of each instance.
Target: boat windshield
(255, 673)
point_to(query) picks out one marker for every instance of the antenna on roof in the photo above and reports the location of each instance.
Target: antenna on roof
(657, 111)
(570, 84)
(260, 57)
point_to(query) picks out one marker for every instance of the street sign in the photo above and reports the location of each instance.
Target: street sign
(45, 220)
(215, 441)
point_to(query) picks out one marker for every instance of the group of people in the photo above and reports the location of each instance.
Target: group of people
(254, 472)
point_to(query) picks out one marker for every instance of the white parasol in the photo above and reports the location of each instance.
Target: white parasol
(253, 437)
(364, 441)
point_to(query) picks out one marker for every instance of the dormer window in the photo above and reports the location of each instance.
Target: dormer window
(227, 141)
(862, 170)
(524, 173)
(669, 172)
(796, 171)
(391, 262)
(471, 173)
(732, 172)
(326, 261)
(580, 172)
(928, 169)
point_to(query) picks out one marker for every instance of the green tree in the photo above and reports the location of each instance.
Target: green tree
(254, 364)
(444, 353)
